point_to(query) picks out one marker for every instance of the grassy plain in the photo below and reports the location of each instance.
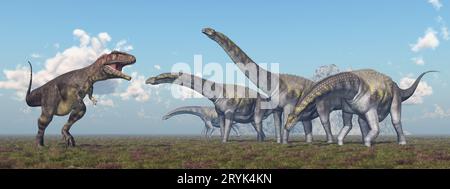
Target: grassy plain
(115, 152)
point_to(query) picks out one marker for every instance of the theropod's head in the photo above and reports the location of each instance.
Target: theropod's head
(111, 65)
(162, 78)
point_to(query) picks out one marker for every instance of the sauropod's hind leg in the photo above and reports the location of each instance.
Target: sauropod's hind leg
(396, 114)
(76, 114)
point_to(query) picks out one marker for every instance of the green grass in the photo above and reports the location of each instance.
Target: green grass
(194, 152)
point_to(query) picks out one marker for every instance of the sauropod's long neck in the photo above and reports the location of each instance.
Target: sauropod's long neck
(262, 78)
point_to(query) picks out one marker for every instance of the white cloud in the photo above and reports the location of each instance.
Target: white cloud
(136, 90)
(418, 60)
(104, 37)
(75, 57)
(436, 4)
(123, 46)
(158, 67)
(35, 55)
(105, 102)
(429, 41)
(438, 112)
(444, 33)
(423, 89)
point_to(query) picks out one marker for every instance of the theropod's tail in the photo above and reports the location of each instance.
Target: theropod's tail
(30, 99)
(193, 110)
(406, 93)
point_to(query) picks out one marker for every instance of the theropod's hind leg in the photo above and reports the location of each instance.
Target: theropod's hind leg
(347, 118)
(43, 121)
(76, 114)
(49, 105)
(396, 114)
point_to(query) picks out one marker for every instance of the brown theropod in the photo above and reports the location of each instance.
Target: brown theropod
(65, 93)
(289, 90)
(233, 103)
(369, 94)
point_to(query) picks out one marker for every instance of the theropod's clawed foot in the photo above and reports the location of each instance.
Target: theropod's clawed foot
(69, 140)
(39, 141)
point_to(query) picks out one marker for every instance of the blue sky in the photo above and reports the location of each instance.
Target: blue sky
(299, 35)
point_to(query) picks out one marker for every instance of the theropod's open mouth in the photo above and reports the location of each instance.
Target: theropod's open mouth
(115, 69)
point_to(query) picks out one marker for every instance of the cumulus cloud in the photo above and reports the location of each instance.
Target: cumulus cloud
(436, 4)
(438, 112)
(418, 60)
(158, 67)
(123, 46)
(423, 89)
(137, 89)
(75, 57)
(428, 41)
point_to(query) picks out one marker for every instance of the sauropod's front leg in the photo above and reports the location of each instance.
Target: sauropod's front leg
(277, 115)
(372, 120)
(324, 115)
(347, 117)
(227, 126)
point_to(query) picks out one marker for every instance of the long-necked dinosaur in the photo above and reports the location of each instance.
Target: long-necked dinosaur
(65, 93)
(369, 94)
(290, 89)
(206, 113)
(233, 103)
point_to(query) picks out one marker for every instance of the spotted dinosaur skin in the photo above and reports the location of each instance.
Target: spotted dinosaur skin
(290, 89)
(65, 93)
(233, 103)
(206, 113)
(369, 94)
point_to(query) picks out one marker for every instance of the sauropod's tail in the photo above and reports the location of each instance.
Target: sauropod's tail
(406, 93)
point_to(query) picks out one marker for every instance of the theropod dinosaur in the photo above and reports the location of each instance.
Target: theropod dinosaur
(367, 93)
(207, 114)
(233, 103)
(65, 93)
(289, 90)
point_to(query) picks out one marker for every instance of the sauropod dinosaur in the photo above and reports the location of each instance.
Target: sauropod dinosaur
(369, 94)
(233, 103)
(206, 113)
(289, 90)
(65, 93)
